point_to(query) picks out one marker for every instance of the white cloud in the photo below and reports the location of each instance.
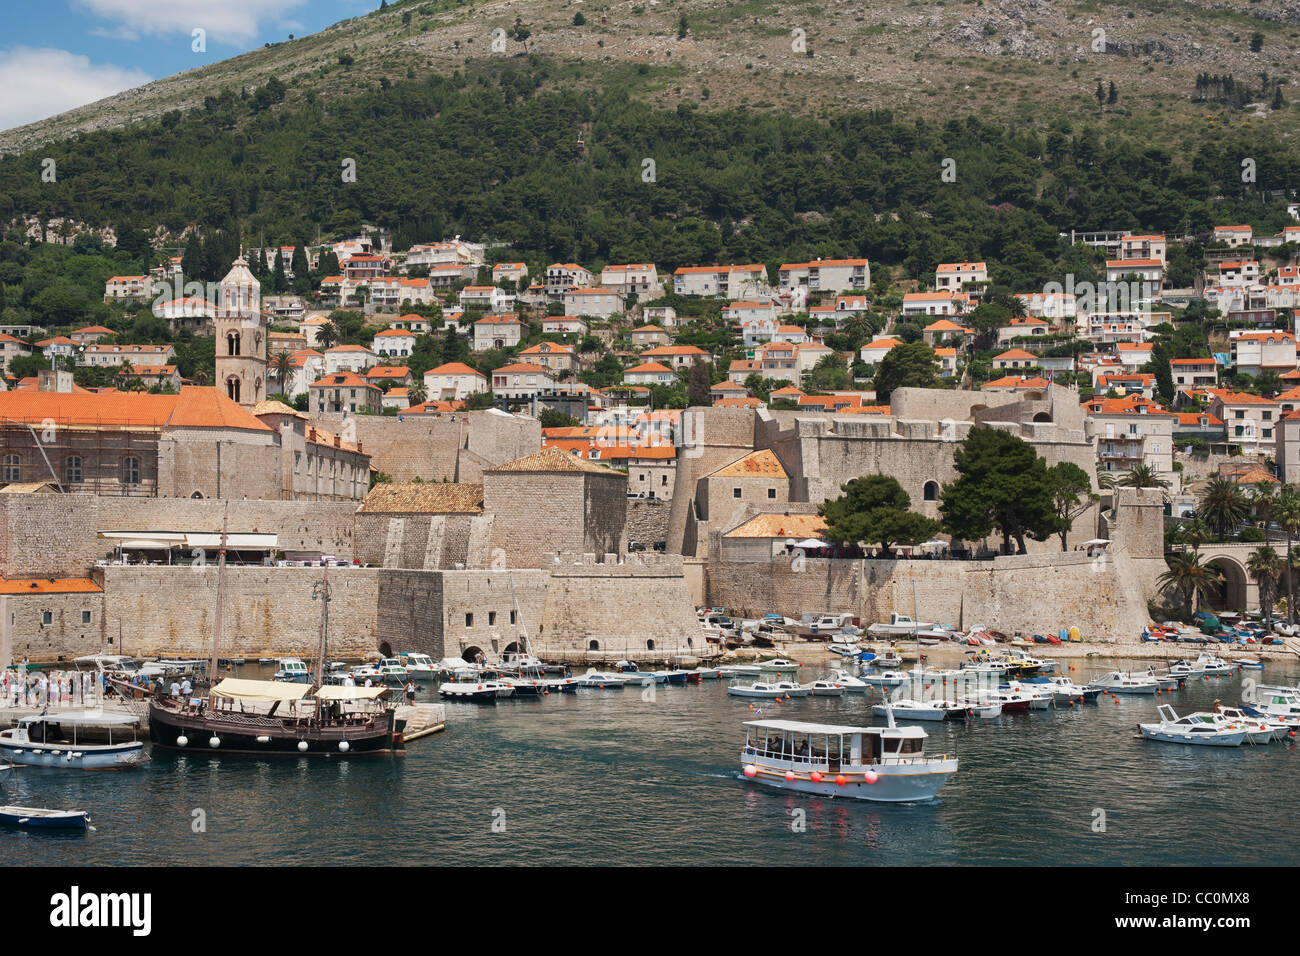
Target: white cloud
(226, 21)
(42, 82)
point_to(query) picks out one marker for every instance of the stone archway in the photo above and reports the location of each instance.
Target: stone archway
(1233, 593)
(471, 654)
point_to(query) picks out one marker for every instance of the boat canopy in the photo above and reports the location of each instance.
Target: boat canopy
(162, 540)
(339, 692)
(794, 726)
(81, 718)
(260, 689)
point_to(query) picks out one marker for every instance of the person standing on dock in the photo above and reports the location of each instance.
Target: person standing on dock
(410, 692)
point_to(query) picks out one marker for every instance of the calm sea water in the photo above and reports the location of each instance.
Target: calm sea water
(607, 778)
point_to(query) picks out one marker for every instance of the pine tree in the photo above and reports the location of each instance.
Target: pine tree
(1113, 95)
(1100, 94)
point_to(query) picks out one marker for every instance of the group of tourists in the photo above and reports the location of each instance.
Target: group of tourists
(53, 688)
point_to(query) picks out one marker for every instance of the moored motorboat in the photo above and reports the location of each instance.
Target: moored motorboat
(886, 678)
(39, 818)
(483, 691)
(1119, 682)
(885, 764)
(851, 684)
(601, 680)
(907, 708)
(773, 690)
(1192, 729)
(827, 688)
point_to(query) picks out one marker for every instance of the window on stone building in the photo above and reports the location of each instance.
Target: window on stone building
(72, 470)
(47, 617)
(512, 617)
(130, 470)
(469, 620)
(771, 492)
(13, 468)
(931, 491)
(85, 617)
(735, 492)
(492, 618)
(593, 645)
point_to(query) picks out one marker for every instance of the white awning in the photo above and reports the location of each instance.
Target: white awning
(341, 692)
(162, 540)
(260, 689)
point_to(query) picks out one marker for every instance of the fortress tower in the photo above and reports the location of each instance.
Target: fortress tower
(241, 337)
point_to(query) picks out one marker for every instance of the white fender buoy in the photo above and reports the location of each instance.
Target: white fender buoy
(263, 739)
(182, 741)
(344, 746)
(750, 771)
(302, 745)
(214, 741)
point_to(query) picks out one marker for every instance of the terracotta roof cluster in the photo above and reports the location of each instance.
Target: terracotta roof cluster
(193, 407)
(552, 460)
(757, 464)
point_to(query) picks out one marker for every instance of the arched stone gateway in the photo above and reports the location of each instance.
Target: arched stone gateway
(386, 649)
(512, 648)
(1231, 595)
(471, 654)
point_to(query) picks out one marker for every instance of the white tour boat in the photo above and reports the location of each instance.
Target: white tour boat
(851, 684)
(484, 691)
(886, 764)
(51, 740)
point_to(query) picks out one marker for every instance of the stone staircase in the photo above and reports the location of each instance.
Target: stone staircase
(422, 719)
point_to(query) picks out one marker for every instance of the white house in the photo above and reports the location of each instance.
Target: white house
(453, 382)
(953, 276)
(873, 352)
(943, 302)
(564, 325)
(397, 342)
(825, 275)
(348, 358)
(1234, 235)
(601, 303)
(649, 373)
(497, 332)
(486, 298)
(637, 278)
(743, 281)
(521, 380)
(563, 276)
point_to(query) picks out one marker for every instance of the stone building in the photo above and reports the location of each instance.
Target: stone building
(554, 502)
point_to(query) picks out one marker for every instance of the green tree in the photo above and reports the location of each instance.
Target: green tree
(1142, 476)
(874, 508)
(480, 400)
(554, 418)
(698, 384)
(327, 335)
(1190, 576)
(282, 365)
(417, 393)
(1265, 567)
(1002, 486)
(1223, 506)
(1286, 512)
(829, 374)
(1072, 495)
(910, 365)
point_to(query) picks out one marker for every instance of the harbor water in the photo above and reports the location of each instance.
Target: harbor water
(608, 777)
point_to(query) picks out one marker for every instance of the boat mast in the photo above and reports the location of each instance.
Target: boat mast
(221, 575)
(324, 590)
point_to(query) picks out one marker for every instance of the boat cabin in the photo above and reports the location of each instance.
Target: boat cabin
(796, 745)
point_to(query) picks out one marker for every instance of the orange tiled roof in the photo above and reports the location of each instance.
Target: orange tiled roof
(757, 464)
(193, 407)
(454, 368)
(48, 586)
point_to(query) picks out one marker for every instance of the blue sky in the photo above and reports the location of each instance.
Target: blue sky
(57, 54)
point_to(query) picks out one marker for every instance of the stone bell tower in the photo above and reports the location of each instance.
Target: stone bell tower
(241, 337)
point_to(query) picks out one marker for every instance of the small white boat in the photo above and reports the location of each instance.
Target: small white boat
(899, 625)
(906, 708)
(844, 649)
(827, 688)
(52, 740)
(886, 678)
(1119, 682)
(1203, 664)
(886, 764)
(740, 670)
(602, 680)
(778, 664)
(708, 673)
(985, 709)
(419, 666)
(1038, 695)
(1192, 729)
(1285, 726)
(851, 684)
(1259, 730)
(1066, 690)
(770, 691)
(293, 671)
(1251, 663)
(38, 818)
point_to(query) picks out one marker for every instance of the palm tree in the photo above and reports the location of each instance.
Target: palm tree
(1189, 576)
(1223, 506)
(418, 393)
(1143, 476)
(1265, 567)
(1264, 499)
(1194, 532)
(327, 335)
(1106, 480)
(282, 365)
(1286, 512)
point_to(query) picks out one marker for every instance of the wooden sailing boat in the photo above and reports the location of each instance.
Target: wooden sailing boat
(272, 717)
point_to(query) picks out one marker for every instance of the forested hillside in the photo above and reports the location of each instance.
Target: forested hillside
(484, 155)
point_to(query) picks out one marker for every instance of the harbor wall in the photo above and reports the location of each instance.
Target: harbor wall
(1104, 597)
(630, 608)
(76, 626)
(47, 535)
(269, 612)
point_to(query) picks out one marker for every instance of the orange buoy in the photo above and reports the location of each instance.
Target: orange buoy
(789, 776)
(840, 780)
(815, 777)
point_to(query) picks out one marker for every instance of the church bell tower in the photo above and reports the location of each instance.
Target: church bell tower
(241, 337)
